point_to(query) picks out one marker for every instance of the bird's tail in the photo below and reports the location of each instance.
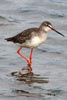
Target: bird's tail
(9, 39)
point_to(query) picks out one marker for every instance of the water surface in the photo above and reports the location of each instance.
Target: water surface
(49, 81)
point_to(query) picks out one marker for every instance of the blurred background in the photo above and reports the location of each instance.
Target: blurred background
(49, 60)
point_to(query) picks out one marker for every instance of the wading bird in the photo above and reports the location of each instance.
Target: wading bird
(32, 38)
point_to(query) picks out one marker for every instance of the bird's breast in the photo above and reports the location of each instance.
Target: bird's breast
(36, 40)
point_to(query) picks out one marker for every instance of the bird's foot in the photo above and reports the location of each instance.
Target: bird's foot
(29, 69)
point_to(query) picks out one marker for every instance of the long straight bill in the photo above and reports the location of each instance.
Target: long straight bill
(56, 31)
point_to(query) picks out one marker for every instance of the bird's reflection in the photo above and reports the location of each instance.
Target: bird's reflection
(30, 77)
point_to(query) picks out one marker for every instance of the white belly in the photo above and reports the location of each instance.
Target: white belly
(35, 41)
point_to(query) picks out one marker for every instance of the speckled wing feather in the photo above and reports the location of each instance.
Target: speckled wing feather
(23, 36)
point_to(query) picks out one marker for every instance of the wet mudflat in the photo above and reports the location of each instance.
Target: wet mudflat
(48, 81)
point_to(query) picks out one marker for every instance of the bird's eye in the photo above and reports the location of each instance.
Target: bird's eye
(47, 25)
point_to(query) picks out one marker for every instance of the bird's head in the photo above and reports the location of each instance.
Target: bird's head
(46, 26)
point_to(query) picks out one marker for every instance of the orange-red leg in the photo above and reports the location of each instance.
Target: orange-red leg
(23, 55)
(31, 56)
(29, 61)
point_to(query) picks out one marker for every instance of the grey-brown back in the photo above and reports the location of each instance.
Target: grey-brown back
(23, 36)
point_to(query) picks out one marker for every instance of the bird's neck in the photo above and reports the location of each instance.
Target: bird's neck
(42, 30)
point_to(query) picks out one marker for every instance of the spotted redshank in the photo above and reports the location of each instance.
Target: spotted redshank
(32, 38)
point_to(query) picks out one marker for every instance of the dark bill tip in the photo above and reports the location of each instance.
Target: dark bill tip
(56, 31)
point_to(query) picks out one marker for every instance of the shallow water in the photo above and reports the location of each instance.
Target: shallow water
(49, 81)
